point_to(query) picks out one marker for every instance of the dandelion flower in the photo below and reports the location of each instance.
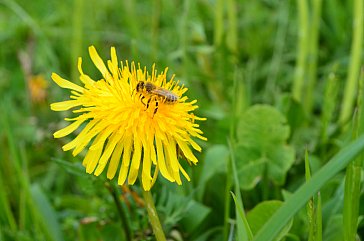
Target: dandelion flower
(37, 86)
(130, 130)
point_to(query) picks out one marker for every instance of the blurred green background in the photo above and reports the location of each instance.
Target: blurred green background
(231, 55)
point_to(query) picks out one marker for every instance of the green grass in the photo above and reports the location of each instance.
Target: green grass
(274, 79)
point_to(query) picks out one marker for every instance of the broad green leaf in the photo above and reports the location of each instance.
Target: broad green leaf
(211, 234)
(262, 135)
(215, 162)
(293, 111)
(194, 215)
(259, 215)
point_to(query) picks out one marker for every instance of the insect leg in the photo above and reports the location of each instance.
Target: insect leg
(156, 107)
(150, 99)
(141, 99)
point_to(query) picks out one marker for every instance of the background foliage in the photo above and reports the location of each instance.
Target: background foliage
(271, 77)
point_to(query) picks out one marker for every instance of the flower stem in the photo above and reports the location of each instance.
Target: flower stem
(153, 216)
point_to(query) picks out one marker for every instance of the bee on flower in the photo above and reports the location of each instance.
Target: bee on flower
(156, 93)
(135, 120)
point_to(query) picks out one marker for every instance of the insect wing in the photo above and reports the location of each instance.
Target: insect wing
(162, 92)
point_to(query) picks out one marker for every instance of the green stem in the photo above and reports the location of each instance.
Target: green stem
(303, 38)
(6, 208)
(153, 216)
(184, 33)
(328, 108)
(132, 25)
(355, 59)
(232, 31)
(219, 23)
(318, 218)
(310, 204)
(77, 33)
(244, 231)
(155, 29)
(312, 55)
(353, 176)
(124, 221)
(279, 46)
(227, 202)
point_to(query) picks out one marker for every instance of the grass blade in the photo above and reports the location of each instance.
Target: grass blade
(353, 177)
(355, 59)
(319, 218)
(303, 194)
(243, 225)
(303, 44)
(310, 205)
(312, 54)
(219, 23)
(46, 213)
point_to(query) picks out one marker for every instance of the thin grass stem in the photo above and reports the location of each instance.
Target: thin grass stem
(318, 218)
(310, 204)
(303, 47)
(155, 29)
(219, 23)
(355, 62)
(245, 231)
(312, 55)
(353, 176)
(232, 31)
(77, 36)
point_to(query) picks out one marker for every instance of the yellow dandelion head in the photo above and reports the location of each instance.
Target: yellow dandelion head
(136, 122)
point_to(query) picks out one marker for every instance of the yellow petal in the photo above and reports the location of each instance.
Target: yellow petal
(161, 161)
(155, 175)
(153, 154)
(187, 151)
(171, 156)
(126, 160)
(99, 63)
(85, 136)
(92, 158)
(65, 83)
(113, 140)
(147, 164)
(103, 135)
(69, 129)
(184, 173)
(114, 161)
(65, 105)
(194, 144)
(84, 78)
(114, 64)
(135, 162)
